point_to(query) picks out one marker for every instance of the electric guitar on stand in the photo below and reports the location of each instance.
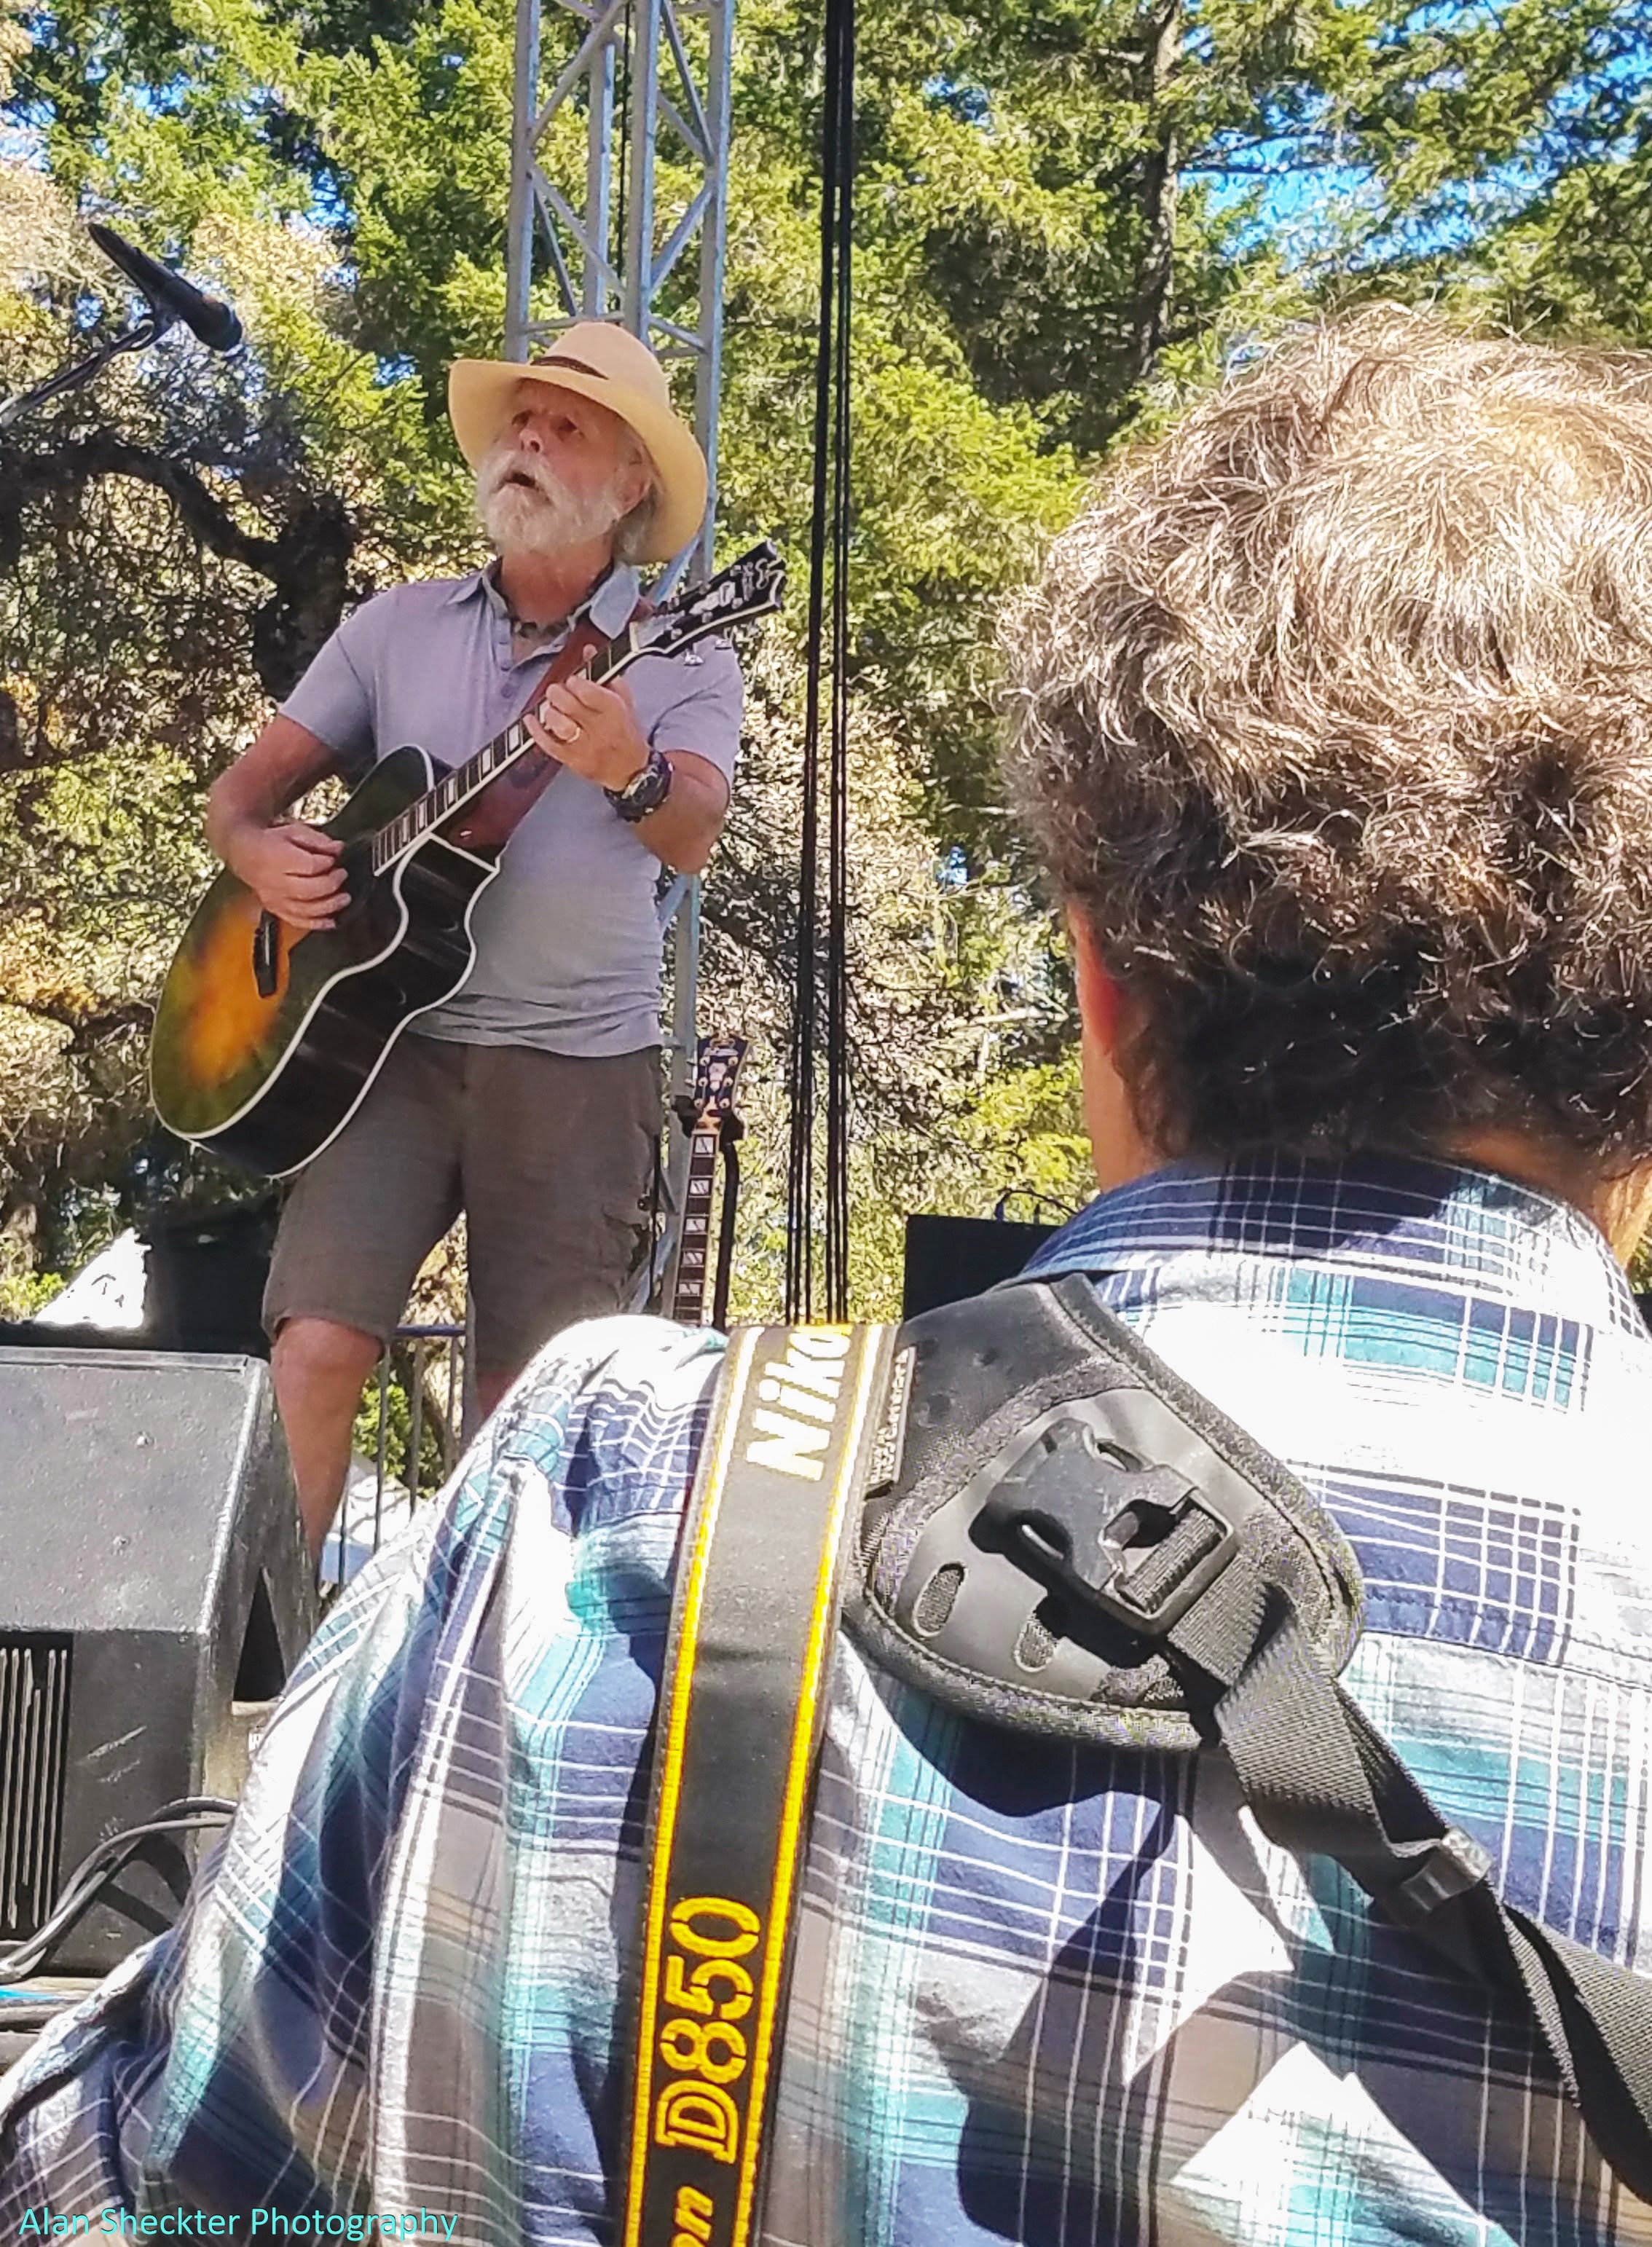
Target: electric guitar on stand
(267, 1036)
(709, 1114)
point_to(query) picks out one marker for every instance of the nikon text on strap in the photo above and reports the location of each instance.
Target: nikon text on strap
(1060, 1536)
(753, 1624)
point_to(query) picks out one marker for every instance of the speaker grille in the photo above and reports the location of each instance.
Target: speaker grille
(34, 1736)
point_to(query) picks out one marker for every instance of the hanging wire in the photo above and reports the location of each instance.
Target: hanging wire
(838, 1083)
(829, 538)
(622, 93)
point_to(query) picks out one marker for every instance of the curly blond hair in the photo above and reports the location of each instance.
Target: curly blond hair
(1332, 716)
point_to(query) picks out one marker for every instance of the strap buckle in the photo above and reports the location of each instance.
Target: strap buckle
(1159, 1544)
(1449, 1869)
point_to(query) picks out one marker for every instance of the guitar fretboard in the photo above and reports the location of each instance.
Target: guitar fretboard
(688, 1306)
(456, 788)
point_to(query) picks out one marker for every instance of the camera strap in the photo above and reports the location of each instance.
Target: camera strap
(1059, 1536)
(754, 1616)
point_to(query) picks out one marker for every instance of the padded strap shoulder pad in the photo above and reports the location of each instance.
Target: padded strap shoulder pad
(1054, 1499)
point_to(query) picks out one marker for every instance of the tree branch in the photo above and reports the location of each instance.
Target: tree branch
(1156, 267)
(71, 466)
(88, 1020)
(307, 563)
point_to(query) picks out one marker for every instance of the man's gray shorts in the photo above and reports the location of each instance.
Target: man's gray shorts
(550, 1156)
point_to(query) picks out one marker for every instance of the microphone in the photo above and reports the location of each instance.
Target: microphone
(171, 297)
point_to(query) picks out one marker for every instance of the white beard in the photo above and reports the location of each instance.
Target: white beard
(543, 519)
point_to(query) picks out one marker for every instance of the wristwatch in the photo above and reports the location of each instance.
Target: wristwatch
(645, 791)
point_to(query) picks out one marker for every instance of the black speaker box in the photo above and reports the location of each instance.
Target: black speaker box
(949, 1259)
(207, 1274)
(153, 1590)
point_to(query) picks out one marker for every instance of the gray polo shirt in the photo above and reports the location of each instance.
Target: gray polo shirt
(568, 941)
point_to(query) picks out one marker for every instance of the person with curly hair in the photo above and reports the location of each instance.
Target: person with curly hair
(1332, 718)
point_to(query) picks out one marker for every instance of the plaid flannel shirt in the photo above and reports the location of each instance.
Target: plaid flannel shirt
(1045, 1994)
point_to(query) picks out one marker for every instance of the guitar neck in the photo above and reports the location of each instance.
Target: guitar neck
(688, 1295)
(465, 782)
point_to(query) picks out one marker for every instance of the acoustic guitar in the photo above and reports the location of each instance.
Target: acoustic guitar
(266, 1036)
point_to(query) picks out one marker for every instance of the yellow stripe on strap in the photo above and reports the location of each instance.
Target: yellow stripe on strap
(681, 1654)
(822, 1632)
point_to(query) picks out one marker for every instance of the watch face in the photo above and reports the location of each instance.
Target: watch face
(647, 792)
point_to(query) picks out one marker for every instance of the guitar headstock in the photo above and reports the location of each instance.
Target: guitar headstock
(753, 586)
(716, 1069)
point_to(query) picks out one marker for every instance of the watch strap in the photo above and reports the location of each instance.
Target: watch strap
(645, 791)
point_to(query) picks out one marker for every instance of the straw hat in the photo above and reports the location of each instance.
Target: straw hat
(595, 359)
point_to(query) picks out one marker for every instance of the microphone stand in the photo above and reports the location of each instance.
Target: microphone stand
(148, 329)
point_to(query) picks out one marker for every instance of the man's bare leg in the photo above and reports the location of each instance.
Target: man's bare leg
(320, 1369)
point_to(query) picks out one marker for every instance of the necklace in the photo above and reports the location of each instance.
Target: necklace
(528, 628)
(525, 627)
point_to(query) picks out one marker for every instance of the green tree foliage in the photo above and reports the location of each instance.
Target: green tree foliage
(1071, 213)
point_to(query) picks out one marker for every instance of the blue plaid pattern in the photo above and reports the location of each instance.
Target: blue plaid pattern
(1045, 1994)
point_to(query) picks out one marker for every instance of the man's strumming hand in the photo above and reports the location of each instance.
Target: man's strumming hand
(591, 729)
(293, 870)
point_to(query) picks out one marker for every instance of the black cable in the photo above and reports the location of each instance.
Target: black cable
(828, 532)
(623, 95)
(800, 1194)
(91, 1878)
(190, 1814)
(1041, 1202)
(837, 1087)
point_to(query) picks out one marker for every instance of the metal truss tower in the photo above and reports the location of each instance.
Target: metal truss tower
(619, 210)
(647, 246)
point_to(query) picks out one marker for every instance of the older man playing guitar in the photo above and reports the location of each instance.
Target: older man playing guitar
(530, 1100)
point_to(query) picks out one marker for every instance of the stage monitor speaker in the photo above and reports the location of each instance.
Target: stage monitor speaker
(153, 1577)
(949, 1259)
(207, 1274)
